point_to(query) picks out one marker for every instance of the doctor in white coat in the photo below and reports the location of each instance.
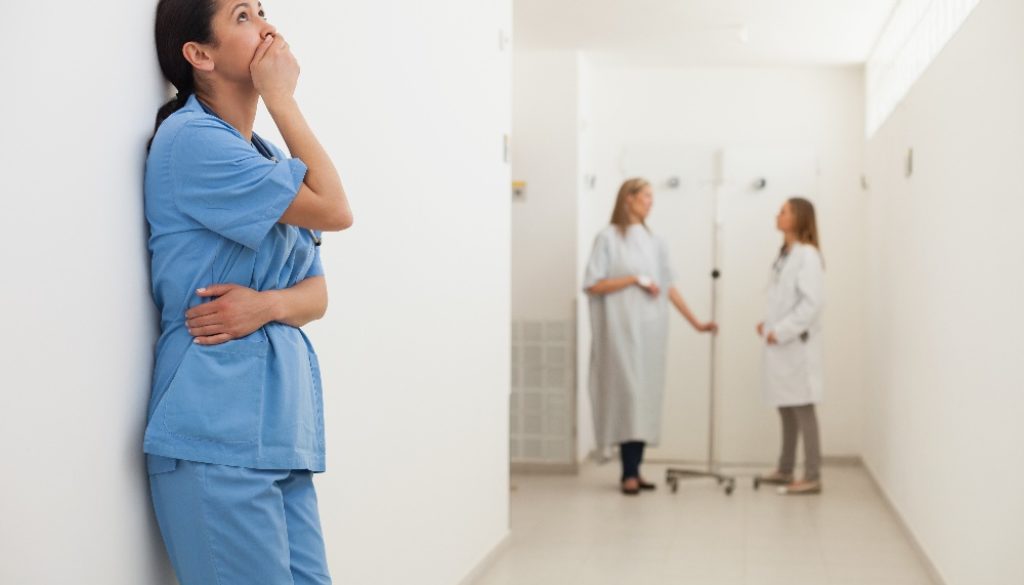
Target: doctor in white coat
(792, 334)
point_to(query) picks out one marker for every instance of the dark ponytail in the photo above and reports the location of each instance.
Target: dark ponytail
(179, 22)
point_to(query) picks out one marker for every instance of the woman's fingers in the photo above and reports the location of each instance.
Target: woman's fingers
(215, 290)
(261, 51)
(237, 312)
(207, 330)
(204, 321)
(213, 339)
(274, 69)
(207, 318)
(212, 307)
(200, 311)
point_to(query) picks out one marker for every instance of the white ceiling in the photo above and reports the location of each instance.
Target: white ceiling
(706, 32)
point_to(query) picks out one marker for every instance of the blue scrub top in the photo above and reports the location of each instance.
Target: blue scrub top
(213, 202)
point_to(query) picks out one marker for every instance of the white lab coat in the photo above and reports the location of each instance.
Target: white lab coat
(792, 369)
(630, 335)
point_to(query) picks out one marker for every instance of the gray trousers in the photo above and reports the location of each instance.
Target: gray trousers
(800, 420)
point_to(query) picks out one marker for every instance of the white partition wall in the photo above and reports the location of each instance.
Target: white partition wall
(414, 98)
(544, 148)
(79, 95)
(413, 101)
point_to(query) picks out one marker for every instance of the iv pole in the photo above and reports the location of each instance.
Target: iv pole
(712, 471)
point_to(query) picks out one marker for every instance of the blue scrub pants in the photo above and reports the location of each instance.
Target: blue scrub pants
(227, 525)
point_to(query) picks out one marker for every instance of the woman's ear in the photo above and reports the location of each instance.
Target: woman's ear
(198, 56)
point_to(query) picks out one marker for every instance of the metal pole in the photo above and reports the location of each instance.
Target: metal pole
(715, 274)
(711, 400)
(673, 475)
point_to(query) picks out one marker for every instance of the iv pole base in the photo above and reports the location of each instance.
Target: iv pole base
(673, 476)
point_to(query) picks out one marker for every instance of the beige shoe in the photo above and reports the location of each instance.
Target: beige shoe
(775, 478)
(801, 488)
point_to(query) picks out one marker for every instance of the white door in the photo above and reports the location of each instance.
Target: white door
(682, 178)
(748, 430)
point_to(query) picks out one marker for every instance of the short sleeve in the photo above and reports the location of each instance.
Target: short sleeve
(667, 274)
(597, 265)
(226, 185)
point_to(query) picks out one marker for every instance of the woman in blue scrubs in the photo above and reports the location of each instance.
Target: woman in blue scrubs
(235, 427)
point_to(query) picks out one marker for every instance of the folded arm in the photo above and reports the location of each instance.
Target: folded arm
(237, 311)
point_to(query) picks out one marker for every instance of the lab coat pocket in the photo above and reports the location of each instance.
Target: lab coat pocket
(216, 394)
(785, 374)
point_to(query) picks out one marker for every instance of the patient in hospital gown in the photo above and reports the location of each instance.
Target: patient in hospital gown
(629, 283)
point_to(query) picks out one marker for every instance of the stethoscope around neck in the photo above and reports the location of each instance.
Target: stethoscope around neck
(779, 264)
(264, 150)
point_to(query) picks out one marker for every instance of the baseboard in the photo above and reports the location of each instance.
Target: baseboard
(488, 561)
(529, 468)
(827, 460)
(842, 461)
(933, 571)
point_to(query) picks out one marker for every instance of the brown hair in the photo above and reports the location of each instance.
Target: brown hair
(806, 222)
(620, 215)
(179, 22)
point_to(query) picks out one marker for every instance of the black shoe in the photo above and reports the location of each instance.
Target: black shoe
(630, 491)
(647, 487)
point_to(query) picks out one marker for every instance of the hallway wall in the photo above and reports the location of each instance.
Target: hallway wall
(548, 147)
(412, 100)
(80, 95)
(544, 146)
(943, 421)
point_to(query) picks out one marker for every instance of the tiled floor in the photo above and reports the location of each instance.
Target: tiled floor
(572, 530)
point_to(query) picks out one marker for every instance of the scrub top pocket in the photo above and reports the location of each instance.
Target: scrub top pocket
(216, 393)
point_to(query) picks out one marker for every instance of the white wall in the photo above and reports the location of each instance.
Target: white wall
(412, 100)
(943, 429)
(80, 99)
(586, 441)
(773, 108)
(544, 151)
